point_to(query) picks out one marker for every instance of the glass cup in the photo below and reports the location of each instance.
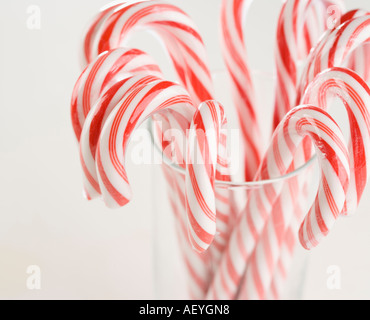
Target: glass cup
(174, 265)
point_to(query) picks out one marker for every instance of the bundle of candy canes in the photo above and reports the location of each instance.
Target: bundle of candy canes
(230, 252)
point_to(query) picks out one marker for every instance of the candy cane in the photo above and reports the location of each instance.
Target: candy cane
(359, 179)
(121, 122)
(175, 40)
(358, 61)
(89, 47)
(158, 16)
(204, 165)
(134, 108)
(353, 14)
(310, 31)
(355, 94)
(281, 272)
(301, 23)
(296, 31)
(94, 123)
(348, 16)
(334, 48)
(208, 112)
(198, 266)
(177, 32)
(333, 156)
(233, 13)
(351, 35)
(101, 74)
(182, 40)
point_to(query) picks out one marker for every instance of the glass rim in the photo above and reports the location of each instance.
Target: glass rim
(229, 184)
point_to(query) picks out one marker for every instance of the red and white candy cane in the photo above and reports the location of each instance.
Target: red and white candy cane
(222, 197)
(177, 32)
(134, 108)
(333, 157)
(108, 68)
(300, 25)
(353, 14)
(94, 123)
(287, 252)
(334, 49)
(137, 106)
(198, 266)
(177, 37)
(89, 48)
(205, 163)
(351, 35)
(334, 82)
(318, 16)
(233, 14)
(355, 94)
(358, 61)
(356, 50)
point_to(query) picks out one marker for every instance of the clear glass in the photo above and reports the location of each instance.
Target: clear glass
(171, 250)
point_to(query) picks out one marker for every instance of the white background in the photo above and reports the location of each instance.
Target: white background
(84, 250)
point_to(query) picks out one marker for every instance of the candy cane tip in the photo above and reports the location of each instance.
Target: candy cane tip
(91, 194)
(86, 195)
(306, 243)
(113, 204)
